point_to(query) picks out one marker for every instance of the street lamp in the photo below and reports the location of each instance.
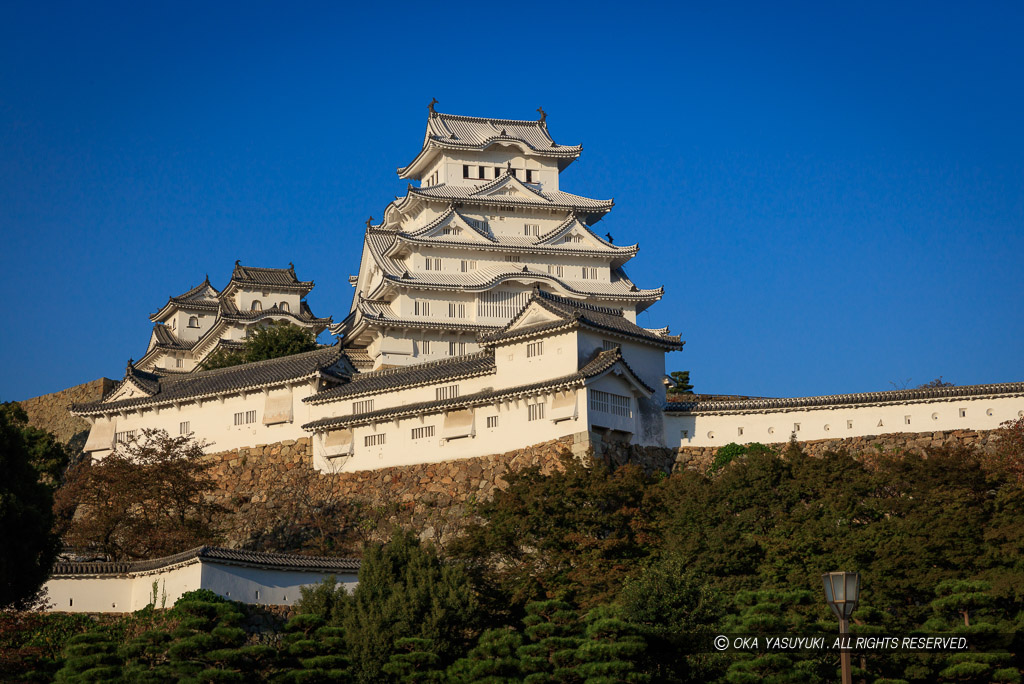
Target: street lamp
(842, 592)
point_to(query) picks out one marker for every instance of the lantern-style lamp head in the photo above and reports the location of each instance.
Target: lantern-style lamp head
(842, 592)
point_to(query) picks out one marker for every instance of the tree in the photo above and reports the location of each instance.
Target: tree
(673, 609)
(682, 382)
(47, 455)
(611, 650)
(147, 499)
(553, 630)
(405, 590)
(492, 661)
(576, 534)
(270, 341)
(26, 519)
(937, 382)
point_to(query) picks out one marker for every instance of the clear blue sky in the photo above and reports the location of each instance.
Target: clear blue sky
(833, 196)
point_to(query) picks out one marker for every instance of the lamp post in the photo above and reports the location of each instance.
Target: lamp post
(842, 592)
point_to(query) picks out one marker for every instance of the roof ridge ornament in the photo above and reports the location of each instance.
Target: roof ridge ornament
(543, 114)
(369, 221)
(433, 101)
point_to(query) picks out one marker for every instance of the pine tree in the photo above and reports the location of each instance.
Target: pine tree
(553, 634)
(611, 650)
(91, 657)
(405, 590)
(414, 661)
(312, 652)
(493, 660)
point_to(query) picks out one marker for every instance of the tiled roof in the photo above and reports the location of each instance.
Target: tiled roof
(232, 313)
(251, 276)
(223, 380)
(359, 358)
(282, 561)
(553, 199)
(166, 339)
(901, 396)
(450, 131)
(190, 301)
(390, 379)
(573, 313)
(601, 362)
(381, 313)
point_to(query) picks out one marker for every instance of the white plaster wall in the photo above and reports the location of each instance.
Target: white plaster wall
(514, 430)
(131, 592)
(212, 421)
(120, 593)
(546, 170)
(959, 413)
(264, 586)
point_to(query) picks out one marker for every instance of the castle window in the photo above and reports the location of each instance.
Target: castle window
(535, 411)
(256, 306)
(739, 432)
(849, 425)
(529, 175)
(456, 310)
(531, 229)
(963, 413)
(465, 170)
(492, 421)
(425, 347)
(432, 264)
(124, 437)
(183, 428)
(179, 362)
(573, 238)
(606, 402)
(515, 258)
(446, 392)
(245, 417)
(193, 322)
(283, 306)
(451, 230)
(456, 349)
(468, 266)
(421, 432)
(497, 171)
(362, 406)
(555, 270)
(589, 273)
(906, 419)
(608, 344)
(534, 349)
(421, 308)
(374, 440)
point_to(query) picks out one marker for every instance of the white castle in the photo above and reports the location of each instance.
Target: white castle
(488, 315)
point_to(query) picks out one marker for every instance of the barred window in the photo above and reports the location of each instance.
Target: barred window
(492, 421)
(183, 428)
(245, 417)
(573, 238)
(589, 273)
(456, 349)
(432, 264)
(374, 440)
(496, 304)
(535, 348)
(124, 437)
(532, 229)
(421, 308)
(555, 270)
(421, 432)
(362, 406)
(606, 402)
(535, 411)
(513, 258)
(468, 265)
(451, 230)
(456, 309)
(446, 392)
(608, 344)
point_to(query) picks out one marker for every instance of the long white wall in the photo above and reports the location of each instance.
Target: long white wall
(836, 422)
(133, 591)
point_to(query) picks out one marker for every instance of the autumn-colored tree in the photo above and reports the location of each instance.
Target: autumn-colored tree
(149, 498)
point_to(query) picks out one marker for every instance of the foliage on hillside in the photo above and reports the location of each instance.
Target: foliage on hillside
(270, 341)
(607, 575)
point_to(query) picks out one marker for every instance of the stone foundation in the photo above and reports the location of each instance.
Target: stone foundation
(699, 458)
(50, 411)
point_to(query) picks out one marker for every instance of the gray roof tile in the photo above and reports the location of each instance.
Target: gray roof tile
(214, 553)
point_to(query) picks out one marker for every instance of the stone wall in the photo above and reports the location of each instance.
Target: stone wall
(699, 458)
(50, 411)
(275, 500)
